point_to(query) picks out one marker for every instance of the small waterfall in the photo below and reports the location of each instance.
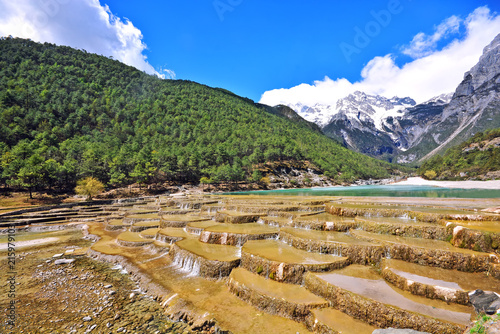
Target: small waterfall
(388, 254)
(195, 270)
(204, 236)
(196, 231)
(240, 241)
(187, 264)
(120, 267)
(337, 251)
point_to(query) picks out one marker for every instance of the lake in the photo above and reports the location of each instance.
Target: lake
(382, 190)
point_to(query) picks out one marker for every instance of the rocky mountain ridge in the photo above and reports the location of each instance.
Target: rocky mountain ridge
(399, 130)
(476, 103)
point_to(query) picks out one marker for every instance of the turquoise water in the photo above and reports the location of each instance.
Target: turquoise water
(387, 191)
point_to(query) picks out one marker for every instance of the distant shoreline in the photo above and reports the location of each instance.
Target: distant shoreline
(418, 181)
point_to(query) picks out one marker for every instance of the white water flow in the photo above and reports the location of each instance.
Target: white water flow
(187, 264)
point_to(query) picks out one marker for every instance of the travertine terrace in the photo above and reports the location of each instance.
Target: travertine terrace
(246, 264)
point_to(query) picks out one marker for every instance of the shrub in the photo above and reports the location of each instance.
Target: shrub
(430, 175)
(89, 187)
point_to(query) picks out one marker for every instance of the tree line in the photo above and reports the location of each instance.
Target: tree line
(67, 114)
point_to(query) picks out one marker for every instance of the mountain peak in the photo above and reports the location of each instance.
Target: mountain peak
(486, 69)
(440, 99)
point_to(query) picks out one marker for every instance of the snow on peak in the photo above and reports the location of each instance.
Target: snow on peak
(358, 106)
(440, 99)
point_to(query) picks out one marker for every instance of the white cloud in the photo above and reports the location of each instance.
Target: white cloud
(82, 24)
(435, 73)
(424, 45)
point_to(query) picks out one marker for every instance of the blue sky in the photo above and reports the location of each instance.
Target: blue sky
(253, 47)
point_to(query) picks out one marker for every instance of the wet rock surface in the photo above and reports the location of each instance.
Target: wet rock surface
(485, 301)
(84, 296)
(397, 331)
(191, 285)
(377, 313)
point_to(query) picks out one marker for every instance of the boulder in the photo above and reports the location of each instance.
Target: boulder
(485, 301)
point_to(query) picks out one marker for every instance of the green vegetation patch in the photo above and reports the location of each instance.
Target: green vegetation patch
(475, 157)
(67, 114)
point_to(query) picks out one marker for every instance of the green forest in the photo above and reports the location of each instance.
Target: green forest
(66, 114)
(475, 157)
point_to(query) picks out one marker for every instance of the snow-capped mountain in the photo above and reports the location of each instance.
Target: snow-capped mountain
(355, 106)
(362, 122)
(362, 108)
(375, 125)
(397, 129)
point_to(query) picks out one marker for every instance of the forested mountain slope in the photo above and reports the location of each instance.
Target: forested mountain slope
(479, 157)
(66, 114)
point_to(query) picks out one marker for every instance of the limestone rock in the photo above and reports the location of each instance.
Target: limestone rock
(397, 331)
(485, 301)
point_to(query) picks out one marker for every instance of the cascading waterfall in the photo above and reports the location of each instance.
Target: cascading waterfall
(388, 254)
(240, 242)
(337, 251)
(184, 206)
(187, 264)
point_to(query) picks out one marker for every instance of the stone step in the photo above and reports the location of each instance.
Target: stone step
(142, 212)
(131, 219)
(296, 214)
(151, 207)
(275, 221)
(116, 225)
(198, 227)
(361, 293)
(421, 213)
(175, 211)
(149, 233)
(286, 300)
(205, 260)
(325, 221)
(194, 204)
(336, 243)
(170, 235)
(332, 321)
(482, 236)
(45, 220)
(436, 283)
(234, 217)
(179, 220)
(284, 263)
(144, 225)
(132, 239)
(211, 209)
(40, 215)
(486, 226)
(237, 234)
(428, 252)
(403, 227)
(268, 209)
